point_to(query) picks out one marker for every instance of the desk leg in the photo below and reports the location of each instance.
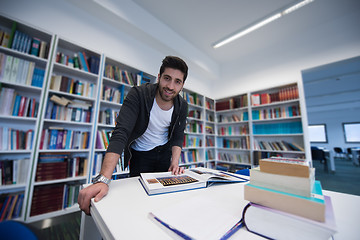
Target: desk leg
(355, 157)
(88, 229)
(332, 164)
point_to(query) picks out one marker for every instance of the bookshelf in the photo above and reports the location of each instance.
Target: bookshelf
(210, 129)
(66, 129)
(232, 132)
(23, 70)
(193, 152)
(115, 83)
(277, 122)
(260, 124)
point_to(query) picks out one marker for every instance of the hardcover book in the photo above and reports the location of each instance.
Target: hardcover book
(295, 185)
(276, 224)
(166, 182)
(309, 207)
(285, 166)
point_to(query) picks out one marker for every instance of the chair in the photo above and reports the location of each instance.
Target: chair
(349, 153)
(245, 172)
(319, 154)
(339, 152)
(16, 230)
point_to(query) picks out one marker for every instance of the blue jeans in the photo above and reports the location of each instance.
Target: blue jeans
(155, 160)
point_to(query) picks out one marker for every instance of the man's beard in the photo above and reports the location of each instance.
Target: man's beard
(166, 97)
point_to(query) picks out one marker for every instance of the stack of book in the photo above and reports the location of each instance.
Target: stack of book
(286, 202)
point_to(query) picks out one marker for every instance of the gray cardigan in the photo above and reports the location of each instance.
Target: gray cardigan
(134, 118)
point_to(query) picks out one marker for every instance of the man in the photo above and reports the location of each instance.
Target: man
(150, 130)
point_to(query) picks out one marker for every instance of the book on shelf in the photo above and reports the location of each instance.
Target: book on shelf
(194, 178)
(190, 156)
(7, 68)
(242, 158)
(312, 207)
(86, 61)
(102, 139)
(278, 128)
(11, 205)
(276, 224)
(232, 103)
(255, 99)
(14, 139)
(283, 94)
(47, 198)
(209, 155)
(209, 142)
(43, 49)
(14, 171)
(286, 166)
(5, 39)
(74, 139)
(209, 105)
(192, 141)
(60, 100)
(94, 63)
(12, 34)
(296, 185)
(71, 192)
(35, 47)
(277, 146)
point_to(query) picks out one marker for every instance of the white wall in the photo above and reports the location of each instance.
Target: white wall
(332, 94)
(333, 121)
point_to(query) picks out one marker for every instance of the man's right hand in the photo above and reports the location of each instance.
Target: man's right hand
(97, 190)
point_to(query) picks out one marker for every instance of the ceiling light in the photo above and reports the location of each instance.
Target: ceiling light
(296, 6)
(247, 30)
(262, 23)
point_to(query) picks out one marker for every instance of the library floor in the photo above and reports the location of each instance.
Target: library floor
(346, 179)
(65, 227)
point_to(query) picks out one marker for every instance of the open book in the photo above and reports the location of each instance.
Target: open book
(166, 182)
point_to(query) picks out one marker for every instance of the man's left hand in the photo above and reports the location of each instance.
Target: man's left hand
(175, 169)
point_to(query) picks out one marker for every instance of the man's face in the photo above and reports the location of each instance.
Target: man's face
(170, 84)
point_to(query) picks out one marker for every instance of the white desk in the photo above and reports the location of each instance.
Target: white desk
(123, 213)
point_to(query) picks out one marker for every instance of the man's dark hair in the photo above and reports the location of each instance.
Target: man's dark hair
(175, 63)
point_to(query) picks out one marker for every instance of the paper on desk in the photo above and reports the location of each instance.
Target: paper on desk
(199, 217)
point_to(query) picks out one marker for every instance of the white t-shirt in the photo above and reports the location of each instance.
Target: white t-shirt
(157, 131)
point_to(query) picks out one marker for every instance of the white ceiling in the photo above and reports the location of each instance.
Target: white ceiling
(203, 22)
(322, 32)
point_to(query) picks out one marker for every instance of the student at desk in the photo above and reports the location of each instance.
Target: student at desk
(149, 129)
